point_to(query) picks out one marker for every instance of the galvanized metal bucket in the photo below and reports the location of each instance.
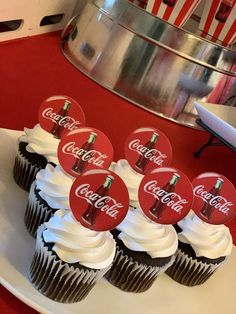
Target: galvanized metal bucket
(148, 61)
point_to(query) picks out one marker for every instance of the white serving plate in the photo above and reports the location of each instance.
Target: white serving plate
(164, 297)
(220, 119)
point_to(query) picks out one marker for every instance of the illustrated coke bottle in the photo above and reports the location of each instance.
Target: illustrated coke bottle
(171, 3)
(92, 212)
(158, 207)
(224, 11)
(57, 129)
(80, 164)
(207, 209)
(143, 160)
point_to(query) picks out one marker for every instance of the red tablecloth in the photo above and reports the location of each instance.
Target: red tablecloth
(33, 69)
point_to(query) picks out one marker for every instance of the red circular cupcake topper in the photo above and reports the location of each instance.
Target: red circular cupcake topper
(99, 199)
(214, 198)
(147, 149)
(84, 149)
(59, 115)
(165, 195)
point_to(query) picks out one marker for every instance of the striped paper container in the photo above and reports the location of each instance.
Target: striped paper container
(218, 21)
(175, 12)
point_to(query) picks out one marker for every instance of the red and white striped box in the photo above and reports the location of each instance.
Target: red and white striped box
(218, 22)
(175, 12)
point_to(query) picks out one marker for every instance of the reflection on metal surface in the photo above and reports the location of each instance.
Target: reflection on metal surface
(151, 63)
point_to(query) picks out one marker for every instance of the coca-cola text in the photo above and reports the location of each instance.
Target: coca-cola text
(153, 154)
(171, 199)
(105, 204)
(66, 122)
(92, 156)
(216, 201)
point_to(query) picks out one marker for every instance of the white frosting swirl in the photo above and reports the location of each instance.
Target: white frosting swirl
(41, 142)
(139, 233)
(211, 241)
(54, 185)
(75, 243)
(131, 179)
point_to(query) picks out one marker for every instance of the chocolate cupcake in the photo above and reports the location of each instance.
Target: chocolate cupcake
(49, 192)
(69, 258)
(144, 250)
(35, 149)
(202, 249)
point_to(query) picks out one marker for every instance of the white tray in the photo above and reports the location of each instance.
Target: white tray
(220, 119)
(165, 296)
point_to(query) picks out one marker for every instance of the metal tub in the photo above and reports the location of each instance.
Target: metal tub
(147, 61)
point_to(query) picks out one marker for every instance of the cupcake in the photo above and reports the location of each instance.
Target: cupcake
(49, 192)
(35, 148)
(131, 178)
(69, 258)
(144, 250)
(202, 249)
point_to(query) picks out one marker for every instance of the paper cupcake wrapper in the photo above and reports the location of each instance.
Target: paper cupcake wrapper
(36, 213)
(24, 172)
(189, 271)
(56, 279)
(131, 276)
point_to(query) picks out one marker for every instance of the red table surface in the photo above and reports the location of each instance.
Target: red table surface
(34, 68)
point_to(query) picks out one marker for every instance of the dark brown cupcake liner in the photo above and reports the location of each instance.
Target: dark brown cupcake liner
(131, 276)
(24, 172)
(36, 213)
(56, 279)
(189, 271)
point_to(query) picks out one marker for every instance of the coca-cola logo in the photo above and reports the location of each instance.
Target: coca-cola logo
(105, 204)
(84, 149)
(165, 195)
(217, 201)
(66, 122)
(99, 199)
(214, 198)
(153, 154)
(91, 156)
(59, 115)
(147, 149)
(171, 199)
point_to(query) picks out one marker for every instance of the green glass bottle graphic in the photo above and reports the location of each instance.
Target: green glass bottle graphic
(158, 207)
(80, 164)
(57, 129)
(91, 213)
(208, 209)
(142, 162)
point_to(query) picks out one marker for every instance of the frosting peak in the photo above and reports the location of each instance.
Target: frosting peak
(139, 233)
(75, 243)
(41, 142)
(211, 241)
(54, 185)
(131, 178)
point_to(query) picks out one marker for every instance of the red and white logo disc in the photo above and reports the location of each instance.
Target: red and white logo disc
(84, 149)
(99, 199)
(214, 198)
(59, 115)
(165, 195)
(147, 149)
